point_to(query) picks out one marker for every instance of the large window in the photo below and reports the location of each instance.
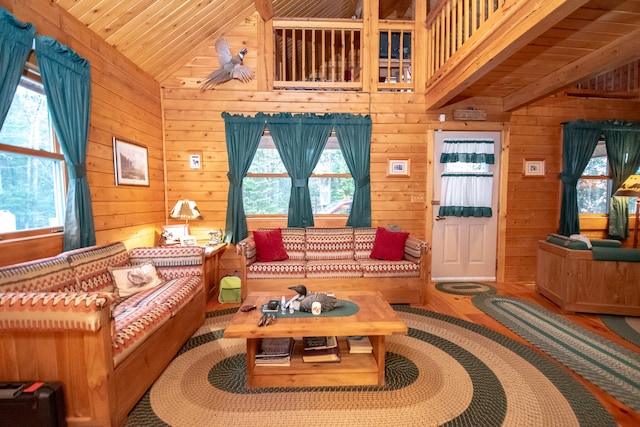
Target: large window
(32, 170)
(267, 187)
(594, 187)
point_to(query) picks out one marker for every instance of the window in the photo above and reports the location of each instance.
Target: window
(32, 169)
(267, 187)
(594, 187)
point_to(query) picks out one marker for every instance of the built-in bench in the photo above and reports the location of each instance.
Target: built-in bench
(591, 276)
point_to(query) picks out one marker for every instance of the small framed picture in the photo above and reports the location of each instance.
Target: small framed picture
(398, 167)
(533, 167)
(131, 163)
(195, 160)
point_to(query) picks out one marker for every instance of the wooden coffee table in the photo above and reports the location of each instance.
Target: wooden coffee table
(374, 319)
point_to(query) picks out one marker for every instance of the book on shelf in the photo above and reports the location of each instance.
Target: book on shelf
(359, 344)
(319, 343)
(275, 352)
(322, 355)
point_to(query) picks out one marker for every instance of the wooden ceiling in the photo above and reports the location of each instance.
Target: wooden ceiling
(580, 39)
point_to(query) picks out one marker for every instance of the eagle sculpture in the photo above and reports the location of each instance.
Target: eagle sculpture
(306, 299)
(231, 67)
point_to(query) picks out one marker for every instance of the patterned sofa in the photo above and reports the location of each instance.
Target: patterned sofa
(62, 318)
(335, 259)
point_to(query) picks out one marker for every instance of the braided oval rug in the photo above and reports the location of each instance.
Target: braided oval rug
(446, 371)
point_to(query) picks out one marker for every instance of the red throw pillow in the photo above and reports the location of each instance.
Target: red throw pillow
(269, 246)
(388, 245)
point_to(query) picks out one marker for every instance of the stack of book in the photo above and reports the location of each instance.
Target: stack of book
(320, 349)
(359, 344)
(275, 352)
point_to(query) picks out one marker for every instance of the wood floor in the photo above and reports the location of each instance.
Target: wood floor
(462, 308)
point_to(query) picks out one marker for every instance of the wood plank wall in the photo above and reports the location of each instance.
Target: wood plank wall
(400, 129)
(125, 103)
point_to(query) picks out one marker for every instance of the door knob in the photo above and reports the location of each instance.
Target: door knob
(438, 218)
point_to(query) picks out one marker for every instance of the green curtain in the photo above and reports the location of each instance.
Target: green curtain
(300, 140)
(67, 82)
(243, 137)
(16, 40)
(578, 142)
(354, 137)
(623, 153)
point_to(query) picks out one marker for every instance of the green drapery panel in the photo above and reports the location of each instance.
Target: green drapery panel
(243, 137)
(66, 77)
(354, 137)
(578, 142)
(16, 40)
(300, 140)
(623, 152)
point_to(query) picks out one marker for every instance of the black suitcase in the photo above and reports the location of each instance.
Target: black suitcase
(32, 404)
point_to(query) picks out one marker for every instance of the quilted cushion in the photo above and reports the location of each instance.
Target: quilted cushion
(269, 245)
(131, 280)
(389, 245)
(330, 243)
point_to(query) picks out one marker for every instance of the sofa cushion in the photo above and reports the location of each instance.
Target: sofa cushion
(601, 253)
(567, 242)
(294, 241)
(269, 245)
(389, 245)
(91, 265)
(43, 275)
(363, 238)
(172, 262)
(174, 294)
(329, 243)
(382, 268)
(288, 269)
(131, 280)
(334, 268)
(134, 321)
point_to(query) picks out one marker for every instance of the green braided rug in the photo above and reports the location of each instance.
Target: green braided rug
(608, 365)
(445, 372)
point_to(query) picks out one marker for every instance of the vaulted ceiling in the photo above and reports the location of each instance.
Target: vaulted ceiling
(578, 39)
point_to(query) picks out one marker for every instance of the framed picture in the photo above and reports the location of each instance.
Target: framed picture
(533, 167)
(398, 167)
(194, 161)
(131, 163)
(171, 234)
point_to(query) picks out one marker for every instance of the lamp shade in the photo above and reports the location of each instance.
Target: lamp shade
(185, 209)
(630, 187)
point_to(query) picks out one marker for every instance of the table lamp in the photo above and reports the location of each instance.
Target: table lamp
(185, 209)
(631, 188)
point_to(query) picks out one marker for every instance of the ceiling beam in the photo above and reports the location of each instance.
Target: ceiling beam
(265, 9)
(513, 28)
(615, 54)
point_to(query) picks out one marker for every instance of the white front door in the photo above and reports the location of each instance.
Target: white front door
(464, 248)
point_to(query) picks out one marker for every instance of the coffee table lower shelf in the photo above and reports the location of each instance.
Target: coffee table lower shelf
(353, 369)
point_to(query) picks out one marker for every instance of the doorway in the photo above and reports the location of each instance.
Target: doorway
(464, 247)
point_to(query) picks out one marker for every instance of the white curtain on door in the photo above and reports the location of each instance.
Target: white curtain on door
(469, 190)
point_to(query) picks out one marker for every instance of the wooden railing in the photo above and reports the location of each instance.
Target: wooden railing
(619, 83)
(451, 23)
(318, 54)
